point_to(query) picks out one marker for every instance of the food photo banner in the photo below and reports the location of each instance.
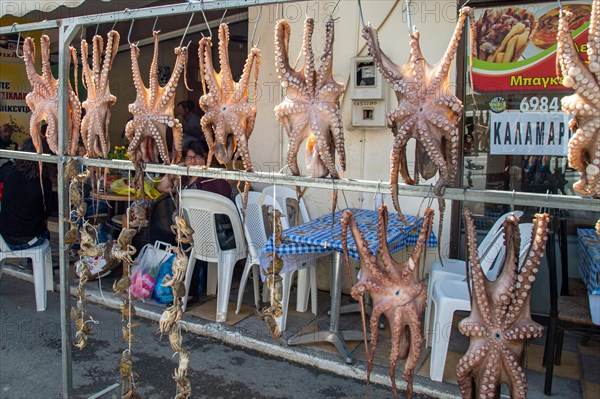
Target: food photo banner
(514, 48)
(529, 133)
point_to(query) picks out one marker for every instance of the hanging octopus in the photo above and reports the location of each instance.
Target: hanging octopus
(397, 291)
(94, 125)
(427, 111)
(310, 110)
(43, 99)
(229, 119)
(584, 105)
(153, 111)
(500, 321)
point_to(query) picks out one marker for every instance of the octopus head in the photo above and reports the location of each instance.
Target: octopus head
(225, 145)
(314, 164)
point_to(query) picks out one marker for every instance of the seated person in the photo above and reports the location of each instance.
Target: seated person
(195, 153)
(25, 208)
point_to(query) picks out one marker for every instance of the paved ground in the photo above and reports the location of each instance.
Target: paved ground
(30, 359)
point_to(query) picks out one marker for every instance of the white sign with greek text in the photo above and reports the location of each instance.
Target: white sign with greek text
(529, 133)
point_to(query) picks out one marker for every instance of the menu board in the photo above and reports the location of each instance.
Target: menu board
(514, 48)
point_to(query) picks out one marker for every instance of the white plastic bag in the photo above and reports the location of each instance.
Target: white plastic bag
(143, 274)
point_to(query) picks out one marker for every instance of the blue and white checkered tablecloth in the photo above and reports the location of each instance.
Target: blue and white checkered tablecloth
(316, 238)
(589, 259)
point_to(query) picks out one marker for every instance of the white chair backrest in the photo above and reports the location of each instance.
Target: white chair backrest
(492, 236)
(288, 200)
(495, 267)
(255, 225)
(199, 209)
(3, 245)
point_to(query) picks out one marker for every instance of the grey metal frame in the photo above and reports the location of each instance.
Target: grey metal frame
(67, 30)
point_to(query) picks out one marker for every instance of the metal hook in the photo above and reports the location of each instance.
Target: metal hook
(154, 26)
(306, 11)
(256, 26)
(81, 33)
(560, 6)
(466, 2)
(129, 34)
(113, 26)
(205, 20)
(223, 17)
(334, 9)
(277, 12)
(186, 29)
(409, 18)
(97, 26)
(360, 11)
(512, 200)
(17, 49)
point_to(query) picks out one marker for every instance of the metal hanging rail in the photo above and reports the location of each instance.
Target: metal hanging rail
(67, 30)
(554, 201)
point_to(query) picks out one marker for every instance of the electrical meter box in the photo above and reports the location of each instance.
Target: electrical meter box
(368, 93)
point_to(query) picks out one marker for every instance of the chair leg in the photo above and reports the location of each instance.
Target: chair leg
(549, 355)
(39, 283)
(303, 289)
(188, 280)
(428, 312)
(211, 279)
(285, 300)
(49, 270)
(560, 337)
(313, 290)
(439, 346)
(256, 284)
(243, 281)
(226, 265)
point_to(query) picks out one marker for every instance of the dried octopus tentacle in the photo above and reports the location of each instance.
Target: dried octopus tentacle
(321, 131)
(480, 300)
(97, 48)
(390, 71)
(398, 162)
(241, 90)
(296, 137)
(395, 350)
(518, 388)
(287, 75)
(225, 68)
(326, 67)
(384, 252)
(416, 340)
(512, 239)
(153, 79)
(112, 46)
(441, 73)
(309, 57)
(171, 86)
(530, 267)
(46, 71)
(593, 49)
(29, 59)
(465, 367)
(575, 72)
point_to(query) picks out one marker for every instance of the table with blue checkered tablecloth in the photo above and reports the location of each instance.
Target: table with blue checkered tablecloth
(316, 238)
(589, 259)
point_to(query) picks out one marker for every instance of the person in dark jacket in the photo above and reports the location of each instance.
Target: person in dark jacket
(25, 207)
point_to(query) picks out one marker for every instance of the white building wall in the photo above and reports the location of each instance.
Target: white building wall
(367, 150)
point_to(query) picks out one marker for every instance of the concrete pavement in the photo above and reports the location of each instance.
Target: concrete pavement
(30, 359)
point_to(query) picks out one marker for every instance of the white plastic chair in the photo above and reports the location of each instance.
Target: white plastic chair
(199, 210)
(490, 249)
(296, 214)
(452, 295)
(43, 276)
(256, 235)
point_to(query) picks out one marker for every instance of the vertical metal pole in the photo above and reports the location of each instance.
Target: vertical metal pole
(66, 34)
